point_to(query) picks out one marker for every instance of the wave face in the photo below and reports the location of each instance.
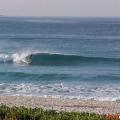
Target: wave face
(54, 59)
(60, 59)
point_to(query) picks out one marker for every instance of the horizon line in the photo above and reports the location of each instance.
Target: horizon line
(60, 16)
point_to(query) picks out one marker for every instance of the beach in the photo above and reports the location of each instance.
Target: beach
(68, 105)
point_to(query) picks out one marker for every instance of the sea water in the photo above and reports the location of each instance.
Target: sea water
(60, 57)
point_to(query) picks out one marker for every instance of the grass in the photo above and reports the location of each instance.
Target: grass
(22, 113)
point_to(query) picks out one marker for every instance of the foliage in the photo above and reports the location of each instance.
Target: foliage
(22, 113)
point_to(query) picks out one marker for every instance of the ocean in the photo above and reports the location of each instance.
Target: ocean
(64, 57)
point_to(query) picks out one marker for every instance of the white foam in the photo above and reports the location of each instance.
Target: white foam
(21, 58)
(18, 58)
(4, 57)
(60, 90)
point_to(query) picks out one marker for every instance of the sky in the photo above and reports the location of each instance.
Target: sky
(85, 8)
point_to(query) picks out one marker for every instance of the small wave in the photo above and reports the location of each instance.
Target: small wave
(61, 90)
(54, 59)
(16, 76)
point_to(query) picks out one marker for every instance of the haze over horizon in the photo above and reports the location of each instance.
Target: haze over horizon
(91, 8)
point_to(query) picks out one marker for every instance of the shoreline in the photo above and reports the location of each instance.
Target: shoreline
(68, 105)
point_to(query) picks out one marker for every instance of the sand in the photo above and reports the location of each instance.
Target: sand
(100, 107)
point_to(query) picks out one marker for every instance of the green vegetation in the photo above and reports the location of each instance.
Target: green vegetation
(22, 113)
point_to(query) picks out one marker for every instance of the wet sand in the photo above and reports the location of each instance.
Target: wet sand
(100, 107)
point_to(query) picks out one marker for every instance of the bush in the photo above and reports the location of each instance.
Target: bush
(22, 113)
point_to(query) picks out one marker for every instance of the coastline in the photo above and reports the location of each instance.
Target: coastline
(68, 105)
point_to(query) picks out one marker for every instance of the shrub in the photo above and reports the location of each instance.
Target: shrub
(22, 113)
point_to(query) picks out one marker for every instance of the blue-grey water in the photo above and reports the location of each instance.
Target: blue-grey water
(60, 57)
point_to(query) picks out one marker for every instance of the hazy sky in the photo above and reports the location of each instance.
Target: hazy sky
(60, 7)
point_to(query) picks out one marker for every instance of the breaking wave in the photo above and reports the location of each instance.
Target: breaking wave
(53, 59)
